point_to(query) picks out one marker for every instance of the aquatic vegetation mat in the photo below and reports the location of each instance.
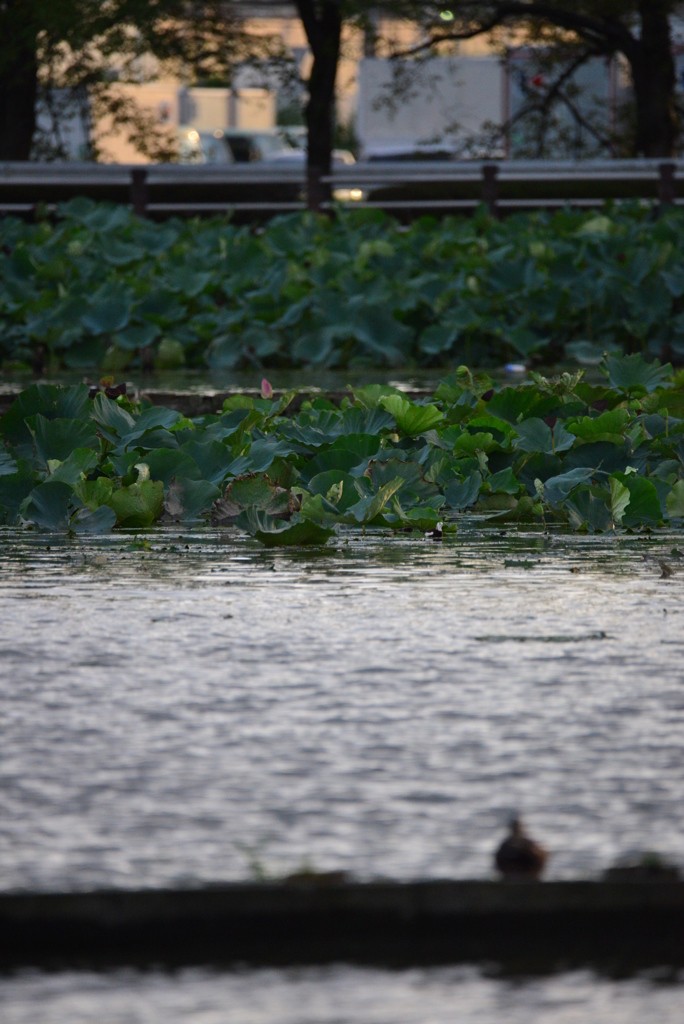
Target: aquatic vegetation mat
(103, 288)
(555, 451)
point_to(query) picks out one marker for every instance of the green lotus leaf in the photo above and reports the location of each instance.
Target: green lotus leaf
(644, 504)
(167, 463)
(138, 505)
(675, 501)
(273, 532)
(345, 494)
(213, 459)
(504, 482)
(79, 462)
(587, 511)
(14, 489)
(536, 436)
(109, 311)
(49, 504)
(187, 498)
(619, 499)
(101, 520)
(462, 494)
(94, 493)
(48, 400)
(609, 426)
(8, 465)
(57, 438)
(632, 373)
(557, 488)
(411, 419)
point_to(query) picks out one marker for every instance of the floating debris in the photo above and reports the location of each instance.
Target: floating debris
(560, 639)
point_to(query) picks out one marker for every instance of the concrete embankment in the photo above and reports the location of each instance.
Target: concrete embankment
(523, 926)
(202, 403)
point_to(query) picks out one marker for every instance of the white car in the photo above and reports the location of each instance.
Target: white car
(234, 146)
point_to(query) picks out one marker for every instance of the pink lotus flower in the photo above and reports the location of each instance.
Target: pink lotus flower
(266, 389)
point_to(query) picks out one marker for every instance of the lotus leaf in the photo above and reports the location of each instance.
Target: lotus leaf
(410, 418)
(187, 498)
(139, 505)
(462, 494)
(644, 505)
(619, 499)
(557, 488)
(675, 501)
(57, 438)
(534, 435)
(167, 463)
(49, 505)
(277, 533)
(633, 373)
(504, 482)
(79, 462)
(101, 520)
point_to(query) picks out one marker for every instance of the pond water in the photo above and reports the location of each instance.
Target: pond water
(336, 995)
(205, 709)
(182, 707)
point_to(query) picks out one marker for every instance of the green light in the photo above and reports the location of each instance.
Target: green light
(447, 15)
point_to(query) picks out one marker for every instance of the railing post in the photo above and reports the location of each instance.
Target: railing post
(139, 191)
(667, 192)
(490, 188)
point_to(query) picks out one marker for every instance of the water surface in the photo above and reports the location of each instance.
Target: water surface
(336, 995)
(188, 707)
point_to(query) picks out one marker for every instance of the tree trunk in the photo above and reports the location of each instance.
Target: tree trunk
(18, 89)
(324, 29)
(653, 75)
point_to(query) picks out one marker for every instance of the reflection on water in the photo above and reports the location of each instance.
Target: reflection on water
(336, 995)
(186, 706)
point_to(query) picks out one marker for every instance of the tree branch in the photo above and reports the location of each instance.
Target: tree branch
(607, 34)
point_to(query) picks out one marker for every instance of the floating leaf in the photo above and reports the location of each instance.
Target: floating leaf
(102, 520)
(278, 533)
(138, 505)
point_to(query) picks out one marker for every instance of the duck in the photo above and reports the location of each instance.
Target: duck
(519, 856)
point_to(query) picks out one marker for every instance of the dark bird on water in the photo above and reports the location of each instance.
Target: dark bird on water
(519, 856)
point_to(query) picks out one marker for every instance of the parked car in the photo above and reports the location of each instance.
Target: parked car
(235, 146)
(231, 146)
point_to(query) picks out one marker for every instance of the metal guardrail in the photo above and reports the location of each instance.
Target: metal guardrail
(407, 189)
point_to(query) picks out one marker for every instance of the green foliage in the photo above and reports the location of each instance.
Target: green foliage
(104, 288)
(378, 462)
